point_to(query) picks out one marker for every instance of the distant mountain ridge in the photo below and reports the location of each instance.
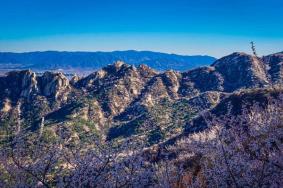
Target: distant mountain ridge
(48, 60)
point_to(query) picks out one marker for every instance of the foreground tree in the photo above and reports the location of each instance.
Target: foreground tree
(240, 151)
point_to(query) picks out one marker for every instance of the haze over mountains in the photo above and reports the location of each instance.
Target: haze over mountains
(89, 61)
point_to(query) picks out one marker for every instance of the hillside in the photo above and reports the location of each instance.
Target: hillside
(123, 100)
(126, 125)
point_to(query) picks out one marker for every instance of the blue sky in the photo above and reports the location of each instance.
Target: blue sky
(213, 27)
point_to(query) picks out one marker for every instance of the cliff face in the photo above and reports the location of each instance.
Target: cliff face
(24, 84)
(121, 100)
(53, 84)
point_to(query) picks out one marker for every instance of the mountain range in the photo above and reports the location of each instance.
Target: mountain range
(90, 61)
(122, 100)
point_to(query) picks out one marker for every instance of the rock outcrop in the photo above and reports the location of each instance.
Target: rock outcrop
(53, 84)
(274, 64)
(240, 70)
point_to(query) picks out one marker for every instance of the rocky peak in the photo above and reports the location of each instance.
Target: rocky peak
(117, 85)
(119, 64)
(116, 67)
(111, 73)
(171, 81)
(26, 84)
(231, 59)
(146, 71)
(52, 84)
(18, 84)
(92, 79)
(74, 79)
(241, 70)
(29, 84)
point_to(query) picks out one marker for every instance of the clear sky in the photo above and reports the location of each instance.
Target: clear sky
(213, 27)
